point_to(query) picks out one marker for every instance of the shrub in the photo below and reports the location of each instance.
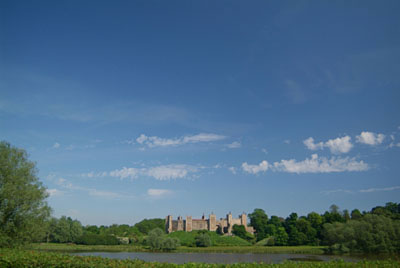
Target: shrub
(157, 240)
(203, 240)
(96, 239)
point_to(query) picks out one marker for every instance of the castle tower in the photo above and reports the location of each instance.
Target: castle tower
(168, 224)
(243, 220)
(212, 222)
(188, 224)
(230, 222)
(180, 224)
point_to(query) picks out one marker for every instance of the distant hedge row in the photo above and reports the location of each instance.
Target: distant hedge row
(96, 239)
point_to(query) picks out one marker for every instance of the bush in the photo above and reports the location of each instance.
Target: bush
(203, 240)
(157, 240)
(95, 239)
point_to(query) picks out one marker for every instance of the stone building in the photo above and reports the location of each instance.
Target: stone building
(224, 225)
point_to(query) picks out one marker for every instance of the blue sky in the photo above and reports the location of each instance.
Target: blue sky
(140, 109)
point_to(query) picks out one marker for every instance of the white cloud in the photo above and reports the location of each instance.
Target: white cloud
(203, 137)
(320, 165)
(309, 143)
(370, 190)
(264, 151)
(234, 145)
(337, 191)
(91, 191)
(339, 145)
(167, 172)
(155, 141)
(93, 174)
(56, 145)
(254, 169)
(158, 193)
(163, 172)
(336, 146)
(370, 138)
(125, 173)
(106, 194)
(233, 170)
(287, 141)
(54, 192)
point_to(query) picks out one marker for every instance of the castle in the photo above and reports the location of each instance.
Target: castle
(211, 224)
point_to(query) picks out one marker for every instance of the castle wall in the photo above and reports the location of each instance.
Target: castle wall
(211, 224)
(236, 221)
(200, 224)
(188, 224)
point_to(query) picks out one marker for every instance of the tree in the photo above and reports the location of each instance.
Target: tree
(259, 220)
(281, 237)
(356, 214)
(157, 240)
(203, 240)
(23, 206)
(146, 225)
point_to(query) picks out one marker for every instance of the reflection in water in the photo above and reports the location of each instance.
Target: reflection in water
(224, 258)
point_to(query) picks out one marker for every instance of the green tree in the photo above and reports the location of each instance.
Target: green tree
(240, 231)
(203, 240)
(146, 225)
(370, 234)
(157, 240)
(23, 209)
(356, 214)
(259, 220)
(281, 237)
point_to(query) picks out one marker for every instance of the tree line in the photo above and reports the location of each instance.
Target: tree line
(26, 217)
(377, 230)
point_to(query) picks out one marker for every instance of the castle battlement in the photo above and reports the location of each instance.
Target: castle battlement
(224, 225)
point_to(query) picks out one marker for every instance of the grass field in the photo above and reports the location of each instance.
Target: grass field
(29, 258)
(53, 247)
(189, 238)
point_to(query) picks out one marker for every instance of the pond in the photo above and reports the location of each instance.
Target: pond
(223, 258)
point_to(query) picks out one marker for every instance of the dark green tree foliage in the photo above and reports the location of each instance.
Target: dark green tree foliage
(356, 214)
(157, 240)
(97, 239)
(23, 209)
(333, 215)
(370, 234)
(281, 237)
(240, 231)
(203, 240)
(146, 225)
(64, 230)
(259, 220)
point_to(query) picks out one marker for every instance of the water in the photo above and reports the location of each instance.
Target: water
(224, 258)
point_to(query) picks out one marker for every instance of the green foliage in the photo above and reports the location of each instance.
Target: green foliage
(240, 231)
(157, 240)
(23, 209)
(259, 220)
(21, 258)
(188, 239)
(64, 230)
(371, 233)
(146, 225)
(281, 237)
(97, 239)
(203, 240)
